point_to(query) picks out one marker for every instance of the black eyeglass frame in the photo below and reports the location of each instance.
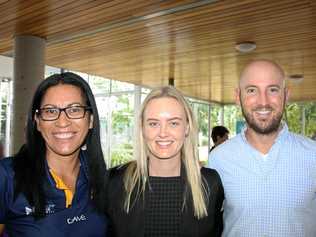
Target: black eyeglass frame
(86, 108)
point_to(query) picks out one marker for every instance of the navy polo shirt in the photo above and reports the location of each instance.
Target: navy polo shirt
(78, 220)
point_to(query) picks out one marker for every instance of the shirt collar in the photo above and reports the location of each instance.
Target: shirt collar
(83, 172)
(281, 135)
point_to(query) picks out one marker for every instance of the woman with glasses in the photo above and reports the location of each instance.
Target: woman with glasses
(165, 192)
(53, 186)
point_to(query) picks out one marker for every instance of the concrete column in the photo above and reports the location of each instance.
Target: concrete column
(28, 71)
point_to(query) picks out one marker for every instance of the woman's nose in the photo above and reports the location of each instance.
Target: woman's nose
(163, 130)
(63, 120)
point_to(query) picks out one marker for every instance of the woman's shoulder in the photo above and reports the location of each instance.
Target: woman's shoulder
(6, 166)
(117, 173)
(211, 176)
(209, 172)
(6, 185)
(213, 182)
(118, 170)
(115, 182)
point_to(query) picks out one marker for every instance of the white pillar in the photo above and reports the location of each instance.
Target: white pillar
(29, 70)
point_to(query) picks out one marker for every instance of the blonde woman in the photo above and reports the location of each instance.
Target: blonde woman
(165, 192)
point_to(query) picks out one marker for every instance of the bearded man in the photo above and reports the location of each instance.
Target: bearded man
(268, 172)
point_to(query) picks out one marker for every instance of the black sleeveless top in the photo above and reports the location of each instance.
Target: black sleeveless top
(163, 210)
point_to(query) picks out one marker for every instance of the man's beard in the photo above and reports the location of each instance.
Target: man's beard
(267, 129)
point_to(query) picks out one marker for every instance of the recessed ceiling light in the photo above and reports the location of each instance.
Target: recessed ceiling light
(246, 46)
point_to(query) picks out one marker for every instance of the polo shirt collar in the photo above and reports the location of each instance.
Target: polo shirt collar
(83, 172)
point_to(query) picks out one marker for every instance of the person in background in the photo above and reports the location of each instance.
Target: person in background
(268, 172)
(219, 135)
(54, 185)
(164, 192)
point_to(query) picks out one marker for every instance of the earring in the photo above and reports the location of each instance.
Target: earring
(84, 147)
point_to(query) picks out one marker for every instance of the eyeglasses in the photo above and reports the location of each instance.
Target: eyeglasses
(53, 113)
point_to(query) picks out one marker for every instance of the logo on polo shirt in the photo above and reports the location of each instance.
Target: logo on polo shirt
(29, 210)
(76, 219)
(49, 209)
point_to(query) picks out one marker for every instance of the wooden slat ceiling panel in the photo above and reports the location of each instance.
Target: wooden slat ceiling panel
(57, 19)
(148, 41)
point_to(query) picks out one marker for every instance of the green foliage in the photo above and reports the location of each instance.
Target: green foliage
(121, 154)
(293, 117)
(310, 119)
(232, 113)
(202, 118)
(215, 115)
(122, 118)
(122, 121)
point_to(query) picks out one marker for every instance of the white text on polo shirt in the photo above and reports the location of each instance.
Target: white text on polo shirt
(49, 209)
(76, 219)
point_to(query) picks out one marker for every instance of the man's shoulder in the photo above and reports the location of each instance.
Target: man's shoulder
(226, 153)
(229, 146)
(298, 141)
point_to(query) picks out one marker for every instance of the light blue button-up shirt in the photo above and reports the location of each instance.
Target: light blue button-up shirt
(271, 196)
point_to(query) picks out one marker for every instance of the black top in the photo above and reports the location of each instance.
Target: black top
(163, 212)
(132, 224)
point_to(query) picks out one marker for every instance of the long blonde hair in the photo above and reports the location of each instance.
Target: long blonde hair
(136, 175)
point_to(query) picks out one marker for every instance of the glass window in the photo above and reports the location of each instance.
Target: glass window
(122, 128)
(117, 86)
(232, 119)
(201, 112)
(99, 85)
(301, 118)
(5, 92)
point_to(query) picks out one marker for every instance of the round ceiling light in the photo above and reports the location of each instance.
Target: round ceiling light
(245, 47)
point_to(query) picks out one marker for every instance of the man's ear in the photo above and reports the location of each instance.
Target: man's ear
(91, 121)
(237, 96)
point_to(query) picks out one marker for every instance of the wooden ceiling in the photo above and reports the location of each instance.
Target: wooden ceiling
(146, 42)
